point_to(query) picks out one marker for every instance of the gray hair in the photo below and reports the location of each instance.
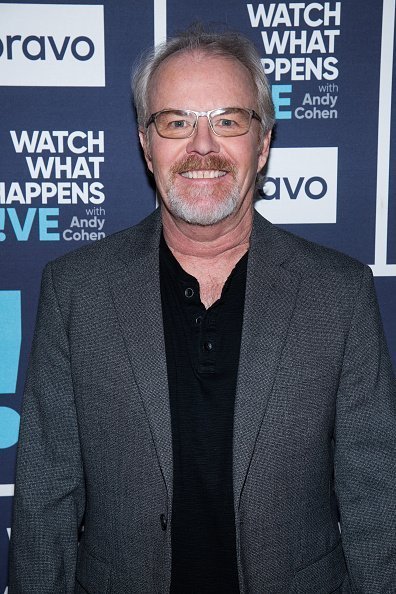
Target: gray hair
(227, 44)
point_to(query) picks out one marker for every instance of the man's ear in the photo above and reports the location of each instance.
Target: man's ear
(146, 149)
(263, 153)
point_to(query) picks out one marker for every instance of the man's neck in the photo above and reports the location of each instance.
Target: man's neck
(209, 253)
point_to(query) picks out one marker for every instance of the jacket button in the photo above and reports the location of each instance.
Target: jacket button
(164, 521)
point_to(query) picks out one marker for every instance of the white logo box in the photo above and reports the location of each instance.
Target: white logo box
(70, 45)
(301, 186)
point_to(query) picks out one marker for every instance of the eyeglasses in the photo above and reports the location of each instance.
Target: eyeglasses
(182, 123)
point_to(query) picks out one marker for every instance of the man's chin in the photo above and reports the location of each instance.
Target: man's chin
(200, 219)
(202, 213)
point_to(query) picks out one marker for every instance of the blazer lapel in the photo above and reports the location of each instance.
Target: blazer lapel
(271, 291)
(137, 299)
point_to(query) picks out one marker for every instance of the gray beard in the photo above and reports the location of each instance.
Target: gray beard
(190, 212)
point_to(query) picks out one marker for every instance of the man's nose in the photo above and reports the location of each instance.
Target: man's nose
(203, 141)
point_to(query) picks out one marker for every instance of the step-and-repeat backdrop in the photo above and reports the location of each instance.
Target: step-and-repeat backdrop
(71, 170)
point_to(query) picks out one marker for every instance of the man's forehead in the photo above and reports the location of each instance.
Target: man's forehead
(200, 57)
(187, 65)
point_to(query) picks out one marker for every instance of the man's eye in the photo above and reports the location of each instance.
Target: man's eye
(177, 124)
(226, 123)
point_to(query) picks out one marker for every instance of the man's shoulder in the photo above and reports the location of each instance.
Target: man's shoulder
(318, 256)
(308, 257)
(113, 251)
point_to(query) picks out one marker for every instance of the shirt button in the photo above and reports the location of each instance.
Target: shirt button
(198, 320)
(164, 521)
(189, 292)
(208, 346)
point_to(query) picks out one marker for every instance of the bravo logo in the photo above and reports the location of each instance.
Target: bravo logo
(39, 47)
(51, 45)
(300, 186)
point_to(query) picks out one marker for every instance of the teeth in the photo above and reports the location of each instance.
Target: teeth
(205, 174)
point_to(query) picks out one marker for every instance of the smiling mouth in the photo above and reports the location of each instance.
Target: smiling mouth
(203, 174)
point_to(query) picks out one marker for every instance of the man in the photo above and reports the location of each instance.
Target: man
(210, 396)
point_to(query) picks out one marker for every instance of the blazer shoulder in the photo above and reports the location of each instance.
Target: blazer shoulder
(311, 259)
(298, 247)
(325, 258)
(112, 252)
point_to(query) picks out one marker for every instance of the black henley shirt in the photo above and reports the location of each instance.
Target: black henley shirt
(202, 352)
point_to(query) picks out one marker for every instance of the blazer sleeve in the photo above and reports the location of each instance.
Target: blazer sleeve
(49, 493)
(365, 450)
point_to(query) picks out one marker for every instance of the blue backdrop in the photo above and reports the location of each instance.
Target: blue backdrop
(71, 170)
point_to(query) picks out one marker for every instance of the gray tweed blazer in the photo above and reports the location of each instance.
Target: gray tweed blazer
(314, 452)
